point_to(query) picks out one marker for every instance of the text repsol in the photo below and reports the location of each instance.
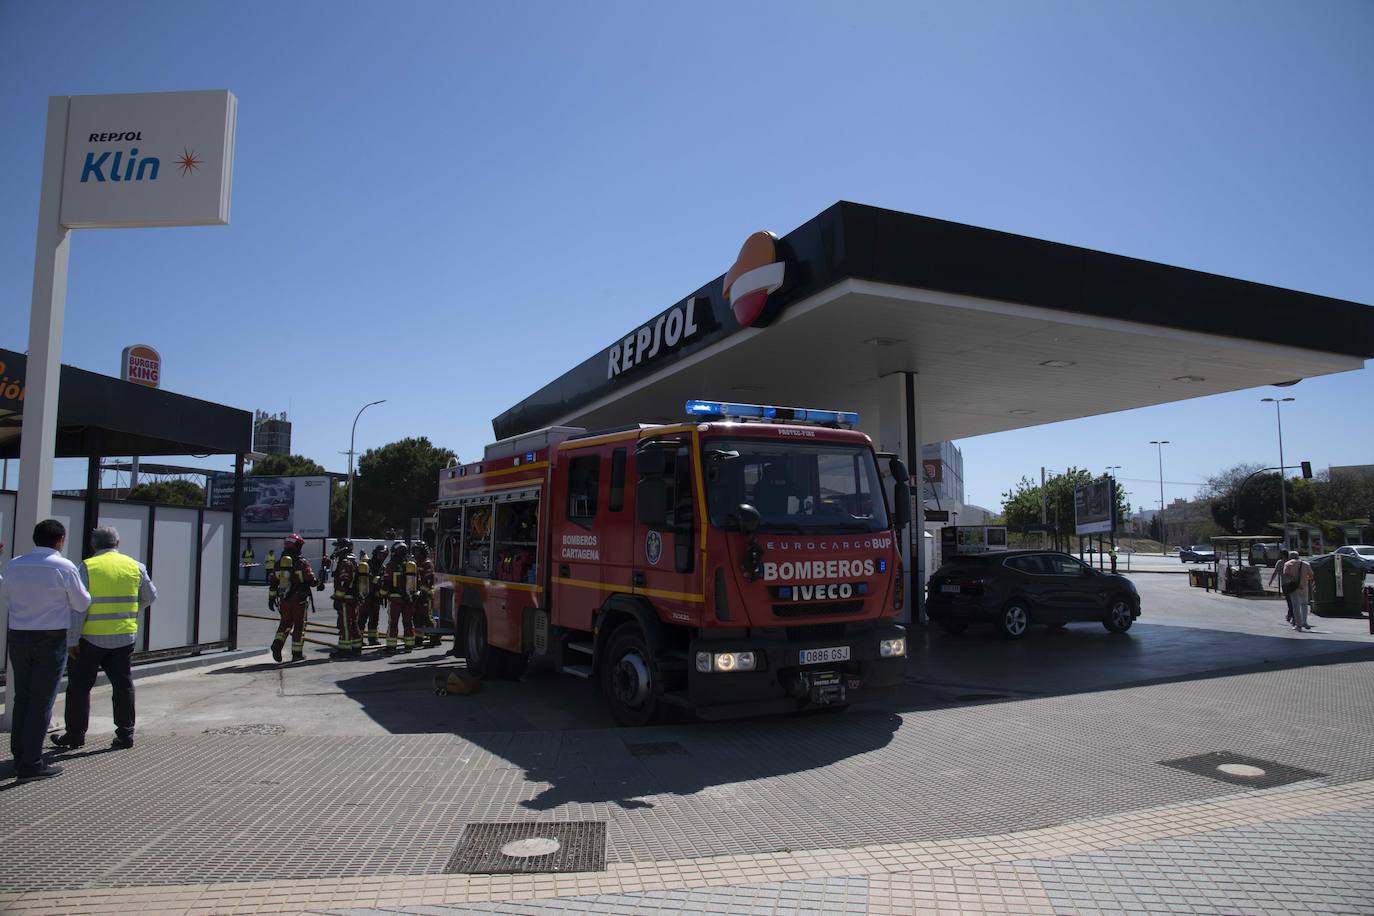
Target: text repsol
(816, 569)
(670, 330)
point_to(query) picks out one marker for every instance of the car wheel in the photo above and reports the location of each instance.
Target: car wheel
(1014, 620)
(1120, 615)
(953, 627)
(630, 678)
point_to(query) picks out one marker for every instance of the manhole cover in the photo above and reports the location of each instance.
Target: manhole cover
(535, 846)
(528, 847)
(1241, 771)
(255, 728)
(654, 748)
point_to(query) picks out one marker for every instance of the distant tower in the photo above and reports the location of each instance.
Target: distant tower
(271, 433)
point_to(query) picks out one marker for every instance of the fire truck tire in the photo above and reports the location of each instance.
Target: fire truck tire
(483, 659)
(630, 678)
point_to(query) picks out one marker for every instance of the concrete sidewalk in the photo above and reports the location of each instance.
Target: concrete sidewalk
(1068, 772)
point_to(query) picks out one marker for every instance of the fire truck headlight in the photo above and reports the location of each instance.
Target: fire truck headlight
(892, 648)
(722, 662)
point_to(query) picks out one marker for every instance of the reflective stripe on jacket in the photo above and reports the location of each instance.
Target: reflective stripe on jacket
(114, 579)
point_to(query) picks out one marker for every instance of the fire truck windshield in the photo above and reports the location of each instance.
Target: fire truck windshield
(796, 487)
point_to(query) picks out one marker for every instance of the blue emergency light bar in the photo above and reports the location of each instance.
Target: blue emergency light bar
(723, 410)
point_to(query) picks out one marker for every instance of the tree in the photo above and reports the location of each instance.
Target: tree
(171, 492)
(395, 483)
(1245, 499)
(1021, 505)
(286, 466)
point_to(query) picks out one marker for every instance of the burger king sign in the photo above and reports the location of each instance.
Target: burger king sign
(141, 365)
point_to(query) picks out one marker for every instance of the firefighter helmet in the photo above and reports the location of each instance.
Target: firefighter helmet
(292, 542)
(343, 544)
(420, 550)
(399, 550)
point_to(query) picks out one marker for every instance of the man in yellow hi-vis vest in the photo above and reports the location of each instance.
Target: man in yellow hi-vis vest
(102, 638)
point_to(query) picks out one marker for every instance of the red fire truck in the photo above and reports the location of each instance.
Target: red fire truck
(744, 562)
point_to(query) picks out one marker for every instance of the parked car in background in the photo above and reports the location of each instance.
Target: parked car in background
(1265, 554)
(1013, 589)
(1363, 554)
(1198, 553)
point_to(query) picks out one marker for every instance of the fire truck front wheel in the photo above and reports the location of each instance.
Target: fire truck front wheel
(483, 659)
(630, 678)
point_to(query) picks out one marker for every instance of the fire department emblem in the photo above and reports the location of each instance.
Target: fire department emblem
(653, 547)
(755, 273)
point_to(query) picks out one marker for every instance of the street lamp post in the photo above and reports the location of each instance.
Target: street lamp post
(1283, 481)
(1159, 445)
(351, 437)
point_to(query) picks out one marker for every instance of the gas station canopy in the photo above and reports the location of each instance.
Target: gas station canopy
(1002, 331)
(99, 415)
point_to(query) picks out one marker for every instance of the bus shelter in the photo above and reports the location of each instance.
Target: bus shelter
(190, 551)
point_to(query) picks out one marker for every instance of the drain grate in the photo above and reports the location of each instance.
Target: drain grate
(654, 748)
(1241, 770)
(529, 847)
(255, 728)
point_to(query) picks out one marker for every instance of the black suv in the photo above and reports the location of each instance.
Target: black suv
(1014, 588)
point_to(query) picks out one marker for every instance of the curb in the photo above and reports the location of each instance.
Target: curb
(152, 669)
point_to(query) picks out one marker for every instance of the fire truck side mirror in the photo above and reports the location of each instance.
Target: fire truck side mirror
(651, 459)
(901, 504)
(651, 502)
(897, 467)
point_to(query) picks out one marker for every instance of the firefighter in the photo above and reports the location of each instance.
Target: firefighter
(345, 569)
(401, 576)
(373, 573)
(289, 593)
(424, 592)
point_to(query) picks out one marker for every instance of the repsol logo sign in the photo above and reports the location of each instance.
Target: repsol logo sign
(667, 333)
(816, 569)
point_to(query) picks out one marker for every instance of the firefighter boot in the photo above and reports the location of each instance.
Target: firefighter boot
(372, 639)
(276, 647)
(298, 650)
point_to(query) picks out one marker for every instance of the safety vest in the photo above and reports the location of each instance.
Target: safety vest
(248, 555)
(114, 580)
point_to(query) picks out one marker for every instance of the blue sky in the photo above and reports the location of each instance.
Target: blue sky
(448, 204)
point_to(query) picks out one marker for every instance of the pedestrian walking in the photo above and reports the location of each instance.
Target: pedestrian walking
(1275, 574)
(42, 590)
(102, 638)
(1298, 581)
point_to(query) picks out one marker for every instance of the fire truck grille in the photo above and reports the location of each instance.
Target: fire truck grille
(819, 609)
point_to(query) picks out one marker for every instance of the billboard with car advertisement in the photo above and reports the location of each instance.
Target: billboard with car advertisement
(1094, 507)
(277, 505)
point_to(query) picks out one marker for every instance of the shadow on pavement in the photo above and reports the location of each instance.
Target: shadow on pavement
(1085, 658)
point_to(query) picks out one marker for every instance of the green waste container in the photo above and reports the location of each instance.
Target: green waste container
(1328, 600)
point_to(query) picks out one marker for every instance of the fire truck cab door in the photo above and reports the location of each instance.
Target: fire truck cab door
(579, 517)
(667, 524)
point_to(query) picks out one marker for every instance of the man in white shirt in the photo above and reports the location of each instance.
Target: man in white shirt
(41, 589)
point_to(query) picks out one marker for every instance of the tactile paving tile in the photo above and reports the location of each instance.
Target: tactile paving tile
(1273, 774)
(581, 847)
